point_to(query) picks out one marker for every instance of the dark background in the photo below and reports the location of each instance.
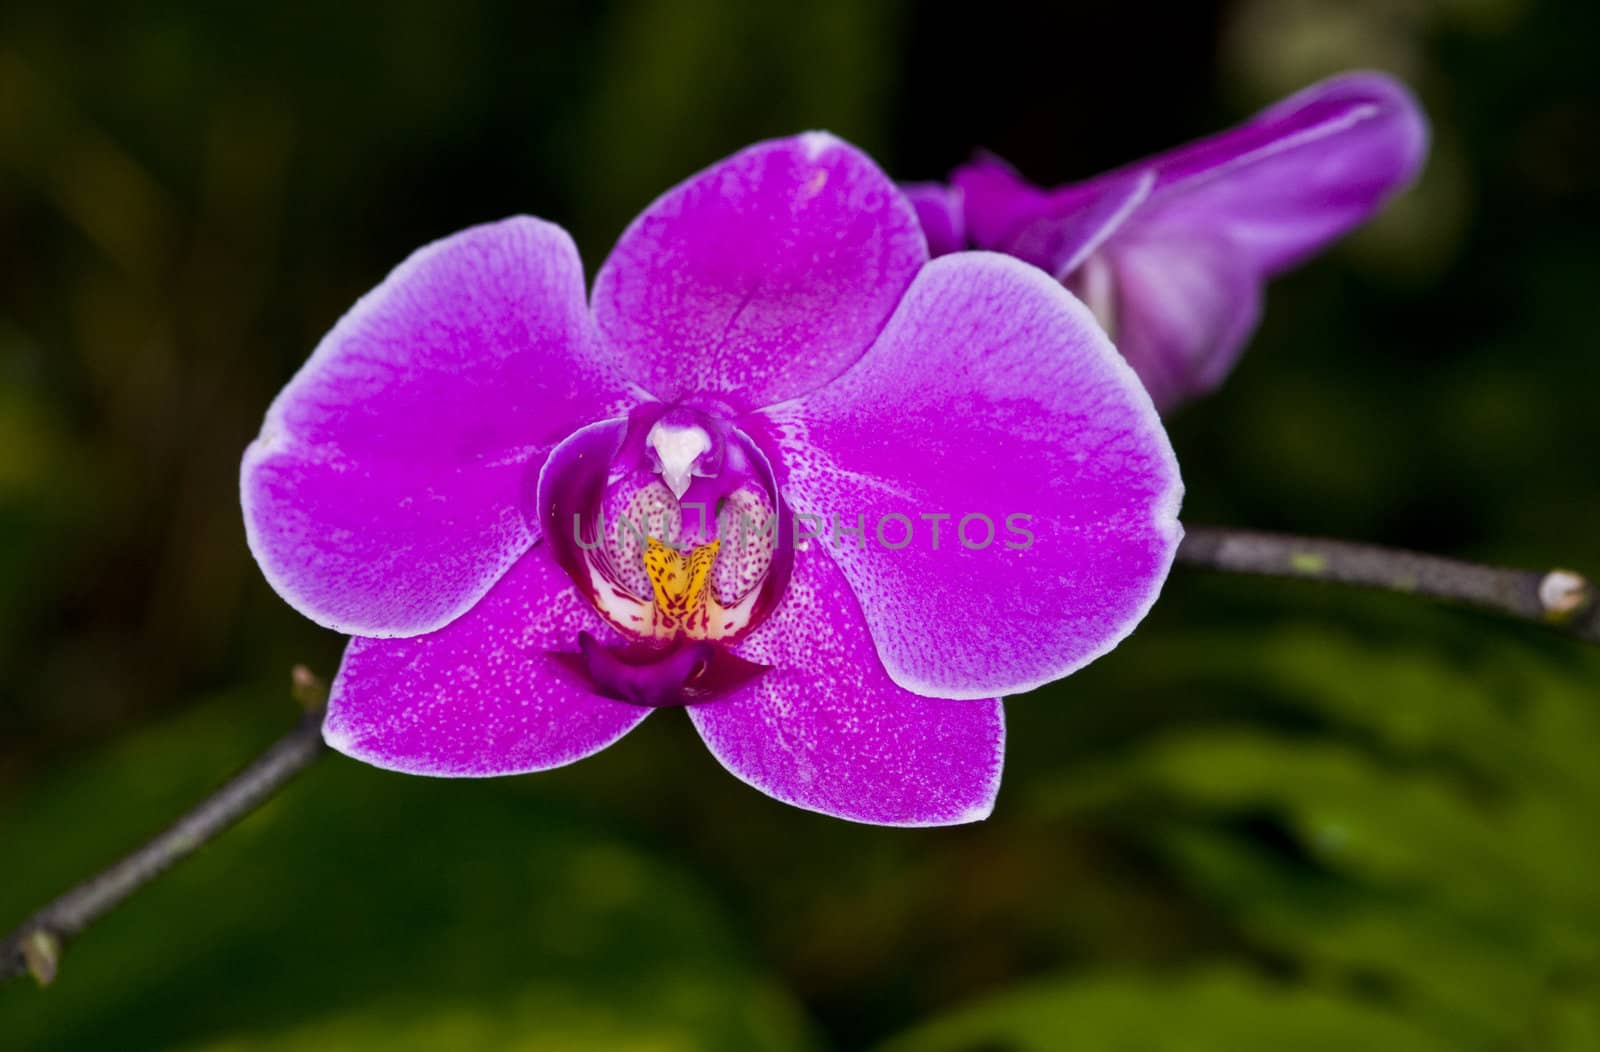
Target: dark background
(1278, 817)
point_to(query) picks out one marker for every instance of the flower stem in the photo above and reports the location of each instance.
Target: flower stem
(1559, 599)
(36, 946)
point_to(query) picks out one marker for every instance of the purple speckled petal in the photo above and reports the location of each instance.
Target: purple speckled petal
(939, 211)
(382, 497)
(762, 277)
(992, 398)
(1298, 174)
(827, 730)
(1183, 308)
(485, 695)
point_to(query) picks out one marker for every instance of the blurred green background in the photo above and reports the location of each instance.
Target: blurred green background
(1277, 818)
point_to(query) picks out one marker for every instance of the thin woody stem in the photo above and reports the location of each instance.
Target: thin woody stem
(37, 944)
(1559, 599)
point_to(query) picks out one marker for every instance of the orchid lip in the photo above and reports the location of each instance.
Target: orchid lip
(684, 672)
(638, 511)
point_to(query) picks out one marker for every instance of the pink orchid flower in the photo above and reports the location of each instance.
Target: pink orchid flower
(544, 516)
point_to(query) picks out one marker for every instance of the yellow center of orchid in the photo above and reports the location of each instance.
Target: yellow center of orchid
(679, 581)
(650, 588)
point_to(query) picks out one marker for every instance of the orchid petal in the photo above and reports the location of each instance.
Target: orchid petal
(1183, 309)
(1280, 186)
(994, 397)
(382, 496)
(762, 277)
(940, 212)
(1299, 174)
(486, 695)
(998, 200)
(1055, 230)
(826, 729)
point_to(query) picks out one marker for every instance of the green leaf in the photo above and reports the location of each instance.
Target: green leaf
(1379, 817)
(1222, 1009)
